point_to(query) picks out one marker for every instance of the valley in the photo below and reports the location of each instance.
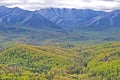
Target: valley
(59, 44)
(61, 26)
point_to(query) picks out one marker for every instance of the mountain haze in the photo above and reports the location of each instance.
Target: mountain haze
(18, 17)
(58, 25)
(59, 44)
(62, 17)
(69, 18)
(104, 21)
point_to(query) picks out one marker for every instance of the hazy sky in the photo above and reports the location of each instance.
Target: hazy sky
(81, 4)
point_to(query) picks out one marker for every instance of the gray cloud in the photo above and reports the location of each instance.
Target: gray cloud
(82, 4)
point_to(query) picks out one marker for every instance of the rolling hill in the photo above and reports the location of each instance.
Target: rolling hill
(28, 62)
(59, 44)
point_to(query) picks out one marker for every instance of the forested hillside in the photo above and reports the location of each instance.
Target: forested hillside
(26, 62)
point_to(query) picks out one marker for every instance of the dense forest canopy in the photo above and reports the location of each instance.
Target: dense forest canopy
(26, 62)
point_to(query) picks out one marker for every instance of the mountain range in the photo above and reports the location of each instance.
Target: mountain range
(58, 25)
(54, 17)
(59, 44)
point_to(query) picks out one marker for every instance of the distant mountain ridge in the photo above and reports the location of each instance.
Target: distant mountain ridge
(58, 25)
(69, 18)
(104, 21)
(18, 17)
(64, 18)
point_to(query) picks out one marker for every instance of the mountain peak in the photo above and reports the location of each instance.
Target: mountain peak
(17, 8)
(3, 7)
(64, 17)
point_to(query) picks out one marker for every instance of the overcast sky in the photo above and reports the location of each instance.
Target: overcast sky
(81, 4)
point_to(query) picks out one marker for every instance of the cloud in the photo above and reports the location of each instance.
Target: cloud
(81, 4)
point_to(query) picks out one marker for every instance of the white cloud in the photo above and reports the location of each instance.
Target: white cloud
(81, 4)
